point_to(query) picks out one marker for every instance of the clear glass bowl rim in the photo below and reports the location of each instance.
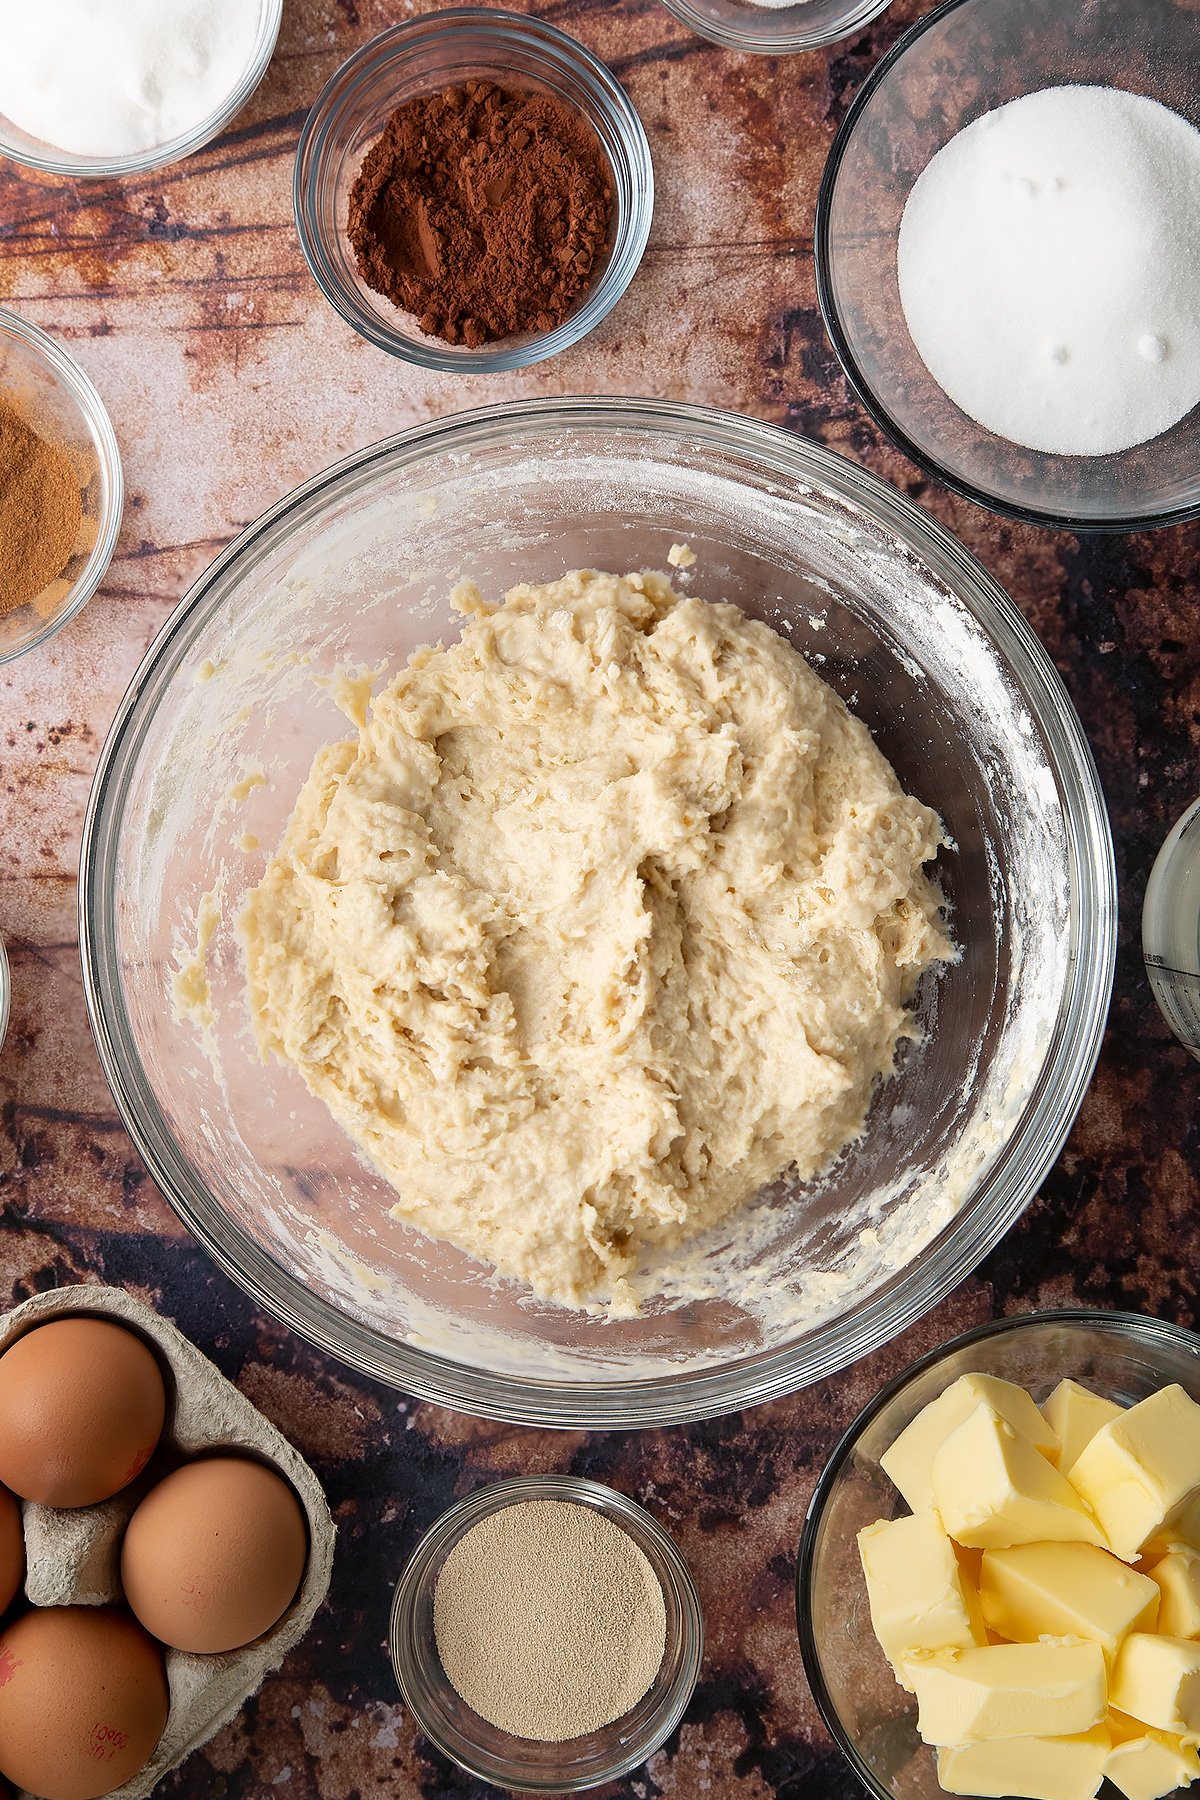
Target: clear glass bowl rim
(482, 1503)
(1135, 1325)
(861, 388)
(5, 992)
(501, 28)
(95, 415)
(705, 1393)
(778, 42)
(160, 156)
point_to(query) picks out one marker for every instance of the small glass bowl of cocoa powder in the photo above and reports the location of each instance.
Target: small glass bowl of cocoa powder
(452, 1726)
(62, 492)
(482, 104)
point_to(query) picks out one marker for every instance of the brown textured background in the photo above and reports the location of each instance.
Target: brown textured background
(185, 297)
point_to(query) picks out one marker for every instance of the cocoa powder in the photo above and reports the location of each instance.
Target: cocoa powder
(482, 211)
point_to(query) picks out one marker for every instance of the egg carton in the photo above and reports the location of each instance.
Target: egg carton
(73, 1556)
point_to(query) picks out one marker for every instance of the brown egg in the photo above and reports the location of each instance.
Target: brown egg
(83, 1700)
(214, 1554)
(12, 1551)
(82, 1405)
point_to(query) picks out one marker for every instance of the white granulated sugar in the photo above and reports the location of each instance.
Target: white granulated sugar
(109, 78)
(1049, 267)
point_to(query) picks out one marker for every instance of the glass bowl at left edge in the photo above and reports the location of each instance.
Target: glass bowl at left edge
(5, 993)
(51, 391)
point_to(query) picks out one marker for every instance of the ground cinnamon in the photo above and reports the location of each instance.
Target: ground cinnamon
(40, 511)
(482, 211)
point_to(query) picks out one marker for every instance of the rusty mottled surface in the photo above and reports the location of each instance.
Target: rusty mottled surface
(185, 297)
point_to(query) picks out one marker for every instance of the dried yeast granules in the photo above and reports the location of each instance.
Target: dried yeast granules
(549, 1620)
(482, 211)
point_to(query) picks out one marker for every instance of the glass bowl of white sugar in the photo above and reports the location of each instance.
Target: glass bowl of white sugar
(110, 88)
(1008, 253)
(776, 27)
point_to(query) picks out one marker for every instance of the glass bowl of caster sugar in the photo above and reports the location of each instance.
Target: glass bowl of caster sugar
(107, 88)
(1008, 255)
(546, 1634)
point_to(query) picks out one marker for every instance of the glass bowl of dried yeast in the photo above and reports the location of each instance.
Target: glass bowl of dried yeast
(560, 1607)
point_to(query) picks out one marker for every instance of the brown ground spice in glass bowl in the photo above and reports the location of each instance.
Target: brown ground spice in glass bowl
(41, 511)
(483, 212)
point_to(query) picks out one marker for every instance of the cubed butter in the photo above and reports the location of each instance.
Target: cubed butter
(992, 1488)
(1177, 1578)
(1075, 1415)
(1034, 1768)
(1065, 1590)
(1008, 1690)
(1181, 1532)
(970, 1561)
(1147, 1764)
(918, 1595)
(1139, 1472)
(910, 1460)
(1157, 1680)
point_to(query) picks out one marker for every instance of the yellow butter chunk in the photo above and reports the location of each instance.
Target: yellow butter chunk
(1139, 1472)
(1007, 1690)
(1034, 1768)
(1065, 1590)
(1146, 1764)
(918, 1594)
(970, 1561)
(1182, 1530)
(993, 1488)
(1157, 1680)
(1177, 1578)
(1075, 1415)
(909, 1461)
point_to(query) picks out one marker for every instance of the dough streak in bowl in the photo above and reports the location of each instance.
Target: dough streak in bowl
(606, 919)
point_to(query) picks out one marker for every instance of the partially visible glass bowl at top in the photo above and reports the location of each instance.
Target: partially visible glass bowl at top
(776, 30)
(425, 55)
(354, 570)
(22, 147)
(1124, 1356)
(963, 59)
(521, 1763)
(51, 393)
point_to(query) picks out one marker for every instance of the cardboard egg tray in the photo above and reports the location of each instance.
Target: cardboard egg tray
(73, 1557)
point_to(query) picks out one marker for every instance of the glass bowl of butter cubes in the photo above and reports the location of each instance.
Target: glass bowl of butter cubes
(998, 1587)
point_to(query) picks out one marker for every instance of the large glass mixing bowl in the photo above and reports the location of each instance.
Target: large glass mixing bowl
(353, 571)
